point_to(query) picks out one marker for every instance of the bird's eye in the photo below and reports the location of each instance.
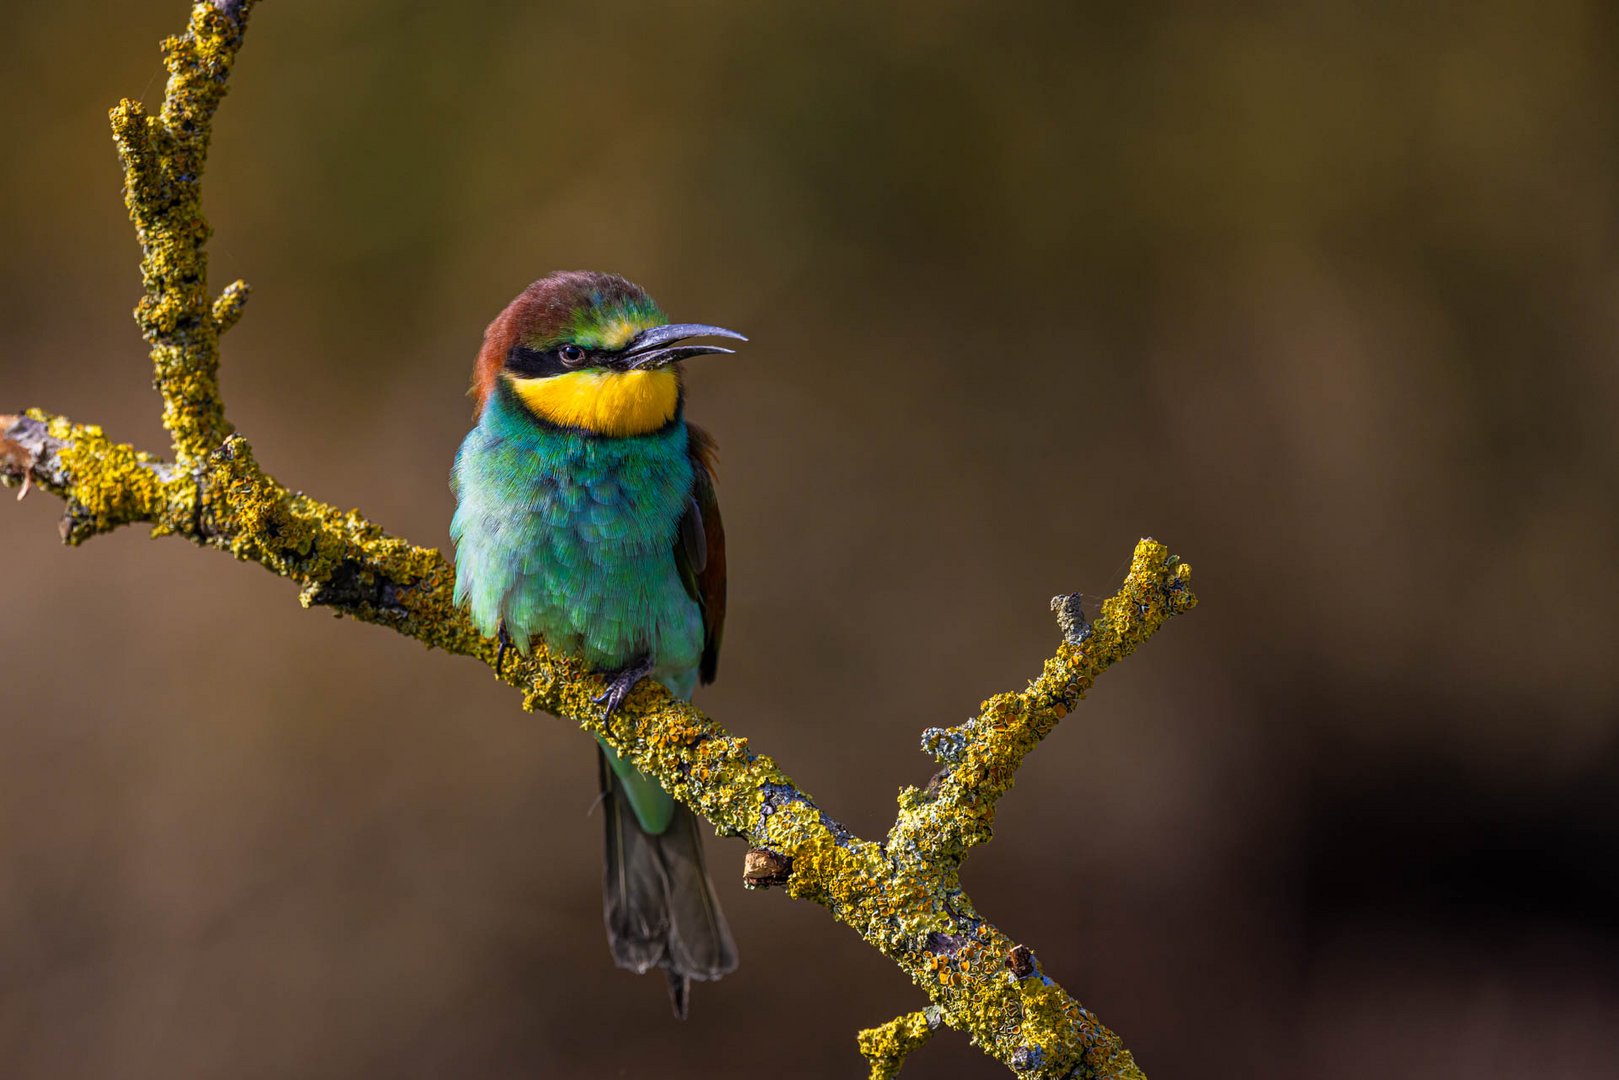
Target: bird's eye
(571, 354)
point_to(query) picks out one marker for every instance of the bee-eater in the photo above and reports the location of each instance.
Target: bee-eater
(586, 518)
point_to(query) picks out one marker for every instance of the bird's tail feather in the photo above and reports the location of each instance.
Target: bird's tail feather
(658, 904)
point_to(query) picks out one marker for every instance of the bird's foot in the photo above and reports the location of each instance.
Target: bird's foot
(621, 682)
(505, 640)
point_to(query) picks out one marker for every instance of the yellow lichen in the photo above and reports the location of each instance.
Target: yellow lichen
(888, 1045)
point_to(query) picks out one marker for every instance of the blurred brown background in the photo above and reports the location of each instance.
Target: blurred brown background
(1322, 295)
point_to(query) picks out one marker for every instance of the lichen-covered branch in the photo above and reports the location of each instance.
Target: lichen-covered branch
(982, 756)
(887, 1046)
(902, 894)
(163, 158)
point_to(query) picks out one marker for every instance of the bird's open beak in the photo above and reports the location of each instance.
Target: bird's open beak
(655, 348)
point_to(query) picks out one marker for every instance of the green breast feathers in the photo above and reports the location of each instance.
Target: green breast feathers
(573, 538)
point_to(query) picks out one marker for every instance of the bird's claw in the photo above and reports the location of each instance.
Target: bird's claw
(620, 683)
(505, 640)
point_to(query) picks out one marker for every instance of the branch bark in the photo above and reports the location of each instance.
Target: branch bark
(902, 894)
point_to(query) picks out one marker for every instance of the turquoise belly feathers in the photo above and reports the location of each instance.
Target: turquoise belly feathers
(570, 537)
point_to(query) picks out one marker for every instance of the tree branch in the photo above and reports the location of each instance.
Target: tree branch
(982, 756)
(163, 158)
(901, 895)
(887, 1046)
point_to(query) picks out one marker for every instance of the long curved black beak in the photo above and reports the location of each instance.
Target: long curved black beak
(655, 347)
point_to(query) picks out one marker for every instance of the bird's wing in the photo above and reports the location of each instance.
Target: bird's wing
(700, 550)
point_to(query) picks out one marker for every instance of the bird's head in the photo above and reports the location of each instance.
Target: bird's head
(589, 351)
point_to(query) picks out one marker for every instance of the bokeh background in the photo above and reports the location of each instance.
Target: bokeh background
(1323, 295)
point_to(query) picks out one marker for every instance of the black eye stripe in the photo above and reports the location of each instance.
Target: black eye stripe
(537, 363)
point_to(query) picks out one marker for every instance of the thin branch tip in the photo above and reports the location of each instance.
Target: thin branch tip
(887, 1046)
(227, 309)
(1071, 620)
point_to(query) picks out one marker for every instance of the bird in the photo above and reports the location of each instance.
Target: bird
(586, 518)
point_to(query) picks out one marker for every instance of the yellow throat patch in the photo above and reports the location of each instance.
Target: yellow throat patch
(616, 403)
